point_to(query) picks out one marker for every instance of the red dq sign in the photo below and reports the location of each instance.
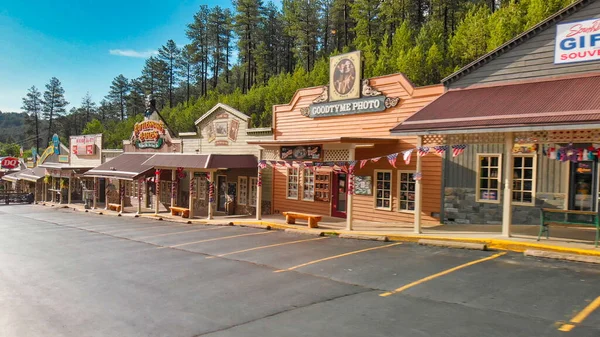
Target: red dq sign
(10, 163)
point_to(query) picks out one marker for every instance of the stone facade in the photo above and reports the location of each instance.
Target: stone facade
(460, 207)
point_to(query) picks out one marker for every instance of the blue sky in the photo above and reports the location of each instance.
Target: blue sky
(73, 40)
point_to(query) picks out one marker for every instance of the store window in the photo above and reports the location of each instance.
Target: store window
(253, 189)
(524, 174)
(308, 185)
(292, 183)
(488, 178)
(406, 191)
(242, 190)
(383, 189)
(165, 192)
(202, 185)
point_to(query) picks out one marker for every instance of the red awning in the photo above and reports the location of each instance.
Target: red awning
(553, 102)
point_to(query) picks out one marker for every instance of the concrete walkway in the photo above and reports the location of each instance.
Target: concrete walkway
(578, 241)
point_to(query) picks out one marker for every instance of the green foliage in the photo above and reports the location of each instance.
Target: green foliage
(470, 40)
(10, 150)
(93, 127)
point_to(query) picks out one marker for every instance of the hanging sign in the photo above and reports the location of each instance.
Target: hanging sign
(149, 134)
(10, 163)
(577, 41)
(56, 144)
(83, 145)
(302, 152)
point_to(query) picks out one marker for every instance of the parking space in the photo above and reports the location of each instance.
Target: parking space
(197, 280)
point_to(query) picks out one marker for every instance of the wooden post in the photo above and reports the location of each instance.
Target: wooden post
(69, 191)
(139, 196)
(122, 195)
(157, 190)
(45, 190)
(508, 177)
(211, 194)
(173, 188)
(53, 185)
(106, 183)
(259, 195)
(418, 190)
(192, 193)
(95, 196)
(349, 195)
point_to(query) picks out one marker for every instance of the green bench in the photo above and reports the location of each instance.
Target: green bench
(545, 223)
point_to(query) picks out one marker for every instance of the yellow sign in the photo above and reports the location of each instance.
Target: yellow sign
(344, 76)
(525, 148)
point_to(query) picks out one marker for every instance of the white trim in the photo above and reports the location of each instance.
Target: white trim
(287, 183)
(225, 107)
(306, 169)
(478, 178)
(562, 127)
(375, 189)
(533, 178)
(401, 210)
(187, 134)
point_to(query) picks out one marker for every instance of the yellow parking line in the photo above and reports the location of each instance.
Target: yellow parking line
(336, 256)
(431, 277)
(151, 227)
(188, 231)
(583, 314)
(264, 247)
(215, 239)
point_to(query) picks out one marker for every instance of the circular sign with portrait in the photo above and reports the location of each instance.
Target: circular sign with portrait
(344, 76)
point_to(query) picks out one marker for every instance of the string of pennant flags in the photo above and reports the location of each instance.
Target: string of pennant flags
(350, 166)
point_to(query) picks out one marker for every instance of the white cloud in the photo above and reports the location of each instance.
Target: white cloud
(133, 53)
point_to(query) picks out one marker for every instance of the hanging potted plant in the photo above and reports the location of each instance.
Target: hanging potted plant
(64, 184)
(47, 179)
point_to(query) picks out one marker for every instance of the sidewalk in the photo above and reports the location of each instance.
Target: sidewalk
(579, 241)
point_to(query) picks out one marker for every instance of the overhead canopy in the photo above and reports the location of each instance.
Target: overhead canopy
(13, 177)
(127, 166)
(33, 174)
(545, 104)
(336, 140)
(202, 161)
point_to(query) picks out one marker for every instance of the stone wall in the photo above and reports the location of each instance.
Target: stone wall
(460, 207)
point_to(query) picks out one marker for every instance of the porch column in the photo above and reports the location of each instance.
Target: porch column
(122, 195)
(157, 191)
(508, 177)
(69, 191)
(192, 193)
(53, 185)
(211, 194)
(139, 195)
(173, 188)
(106, 183)
(45, 190)
(259, 194)
(418, 190)
(350, 194)
(95, 196)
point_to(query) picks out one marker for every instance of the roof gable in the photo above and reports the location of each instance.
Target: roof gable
(225, 107)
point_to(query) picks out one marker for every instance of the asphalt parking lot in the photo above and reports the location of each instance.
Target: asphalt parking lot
(67, 273)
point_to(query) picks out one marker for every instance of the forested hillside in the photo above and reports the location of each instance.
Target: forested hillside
(279, 49)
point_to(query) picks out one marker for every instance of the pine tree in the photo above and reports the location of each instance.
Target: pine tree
(247, 20)
(470, 39)
(368, 22)
(169, 54)
(119, 89)
(54, 103)
(32, 105)
(185, 64)
(89, 106)
(197, 32)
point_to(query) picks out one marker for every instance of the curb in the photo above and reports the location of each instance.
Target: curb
(562, 256)
(267, 227)
(364, 237)
(453, 244)
(305, 232)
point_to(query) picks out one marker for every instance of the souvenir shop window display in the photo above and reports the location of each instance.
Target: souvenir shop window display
(524, 175)
(383, 189)
(242, 190)
(406, 191)
(488, 177)
(253, 189)
(202, 187)
(308, 185)
(322, 187)
(292, 183)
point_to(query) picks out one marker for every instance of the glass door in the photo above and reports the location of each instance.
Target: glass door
(339, 195)
(221, 193)
(583, 186)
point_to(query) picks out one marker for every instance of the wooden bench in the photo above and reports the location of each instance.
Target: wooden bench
(185, 212)
(116, 207)
(545, 223)
(313, 220)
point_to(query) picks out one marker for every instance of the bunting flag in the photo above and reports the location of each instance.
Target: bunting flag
(259, 179)
(273, 163)
(406, 156)
(417, 176)
(392, 159)
(374, 160)
(351, 166)
(440, 149)
(458, 149)
(287, 164)
(262, 164)
(422, 151)
(363, 163)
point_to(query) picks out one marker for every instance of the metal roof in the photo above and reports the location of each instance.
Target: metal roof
(202, 161)
(124, 166)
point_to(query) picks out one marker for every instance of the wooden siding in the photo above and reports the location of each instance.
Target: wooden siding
(282, 204)
(462, 170)
(533, 58)
(289, 124)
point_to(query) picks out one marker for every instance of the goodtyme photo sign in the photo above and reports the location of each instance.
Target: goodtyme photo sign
(577, 41)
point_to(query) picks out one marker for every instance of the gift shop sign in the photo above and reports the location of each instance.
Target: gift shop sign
(83, 145)
(10, 163)
(577, 42)
(149, 134)
(349, 107)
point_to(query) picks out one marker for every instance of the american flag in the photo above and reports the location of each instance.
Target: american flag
(422, 151)
(392, 159)
(363, 163)
(287, 164)
(273, 163)
(262, 164)
(351, 166)
(406, 155)
(440, 149)
(374, 160)
(458, 149)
